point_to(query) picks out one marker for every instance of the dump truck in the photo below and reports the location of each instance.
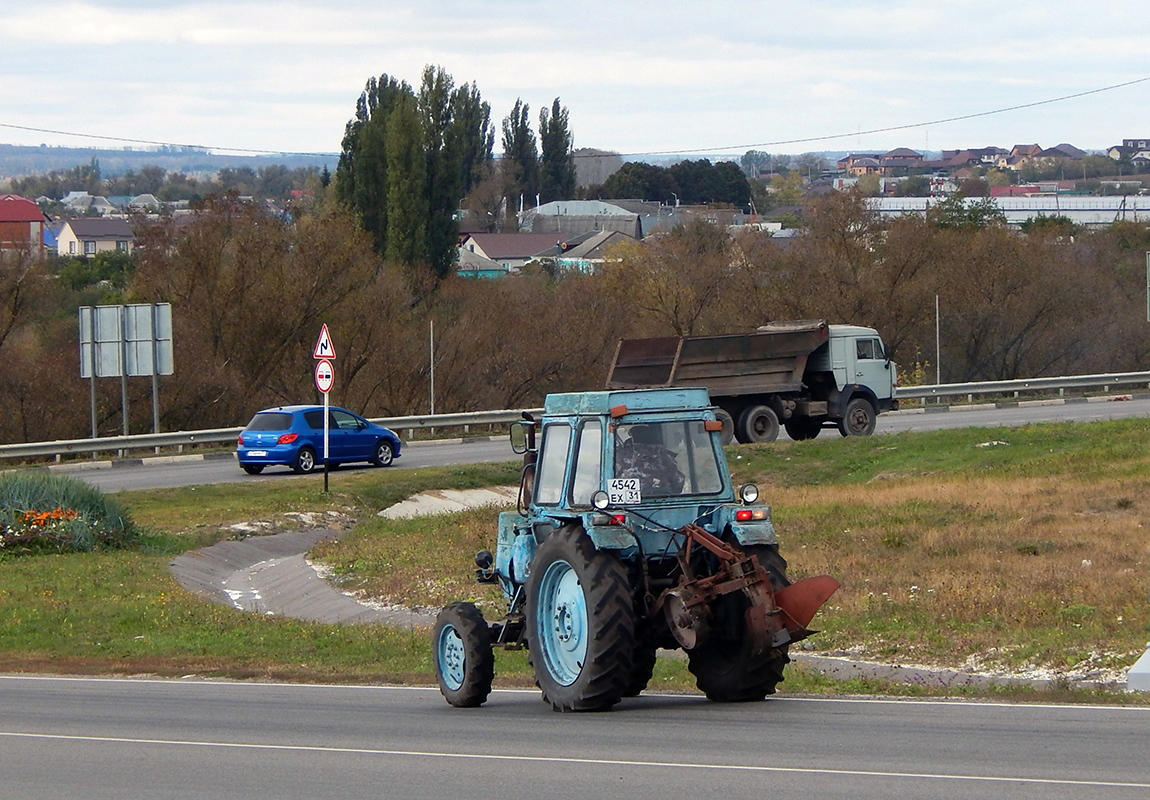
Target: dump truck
(805, 374)
(629, 537)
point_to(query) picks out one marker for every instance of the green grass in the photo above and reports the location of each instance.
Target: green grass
(947, 550)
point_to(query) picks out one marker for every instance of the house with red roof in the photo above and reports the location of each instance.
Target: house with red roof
(21, 224)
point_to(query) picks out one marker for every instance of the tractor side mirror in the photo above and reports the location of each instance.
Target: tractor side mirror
(522, 437)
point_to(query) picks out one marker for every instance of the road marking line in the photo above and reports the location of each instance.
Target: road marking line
(601, 762)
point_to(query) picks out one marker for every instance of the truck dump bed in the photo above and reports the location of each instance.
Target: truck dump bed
(772, 359)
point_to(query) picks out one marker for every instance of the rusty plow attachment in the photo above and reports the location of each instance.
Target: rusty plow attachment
(773, 618)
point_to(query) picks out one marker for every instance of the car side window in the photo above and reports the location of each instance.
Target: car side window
(314, 419)
(345, 421)
(552, 464)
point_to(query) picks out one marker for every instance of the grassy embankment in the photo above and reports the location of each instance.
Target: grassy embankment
(952, 549)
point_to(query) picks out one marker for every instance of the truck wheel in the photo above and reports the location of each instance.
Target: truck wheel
(580, 623)
(728, 434)
(803, 428)
(464, 660)
(859, 419)
(726, 669)
(759, 424)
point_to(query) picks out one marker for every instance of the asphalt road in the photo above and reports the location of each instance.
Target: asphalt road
(107, 738)
(166, 473)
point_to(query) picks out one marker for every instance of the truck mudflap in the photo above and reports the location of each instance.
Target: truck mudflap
(773, 619)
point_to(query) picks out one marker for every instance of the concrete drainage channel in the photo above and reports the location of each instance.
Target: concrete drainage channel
(270, 574)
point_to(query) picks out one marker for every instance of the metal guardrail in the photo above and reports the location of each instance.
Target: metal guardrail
(222, 435)
(1123, 379)
(428, 422)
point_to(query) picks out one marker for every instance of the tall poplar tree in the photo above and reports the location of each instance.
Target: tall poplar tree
(361, 176)
(408, 158)
(519, 151)
(406, 198)
(557, 162)
(442, 152)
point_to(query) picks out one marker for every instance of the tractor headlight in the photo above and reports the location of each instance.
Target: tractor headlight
(749, 493)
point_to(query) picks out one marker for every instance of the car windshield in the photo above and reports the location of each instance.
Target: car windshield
(275, 421)
(669, 458)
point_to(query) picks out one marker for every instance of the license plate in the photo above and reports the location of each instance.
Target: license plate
(257, 453)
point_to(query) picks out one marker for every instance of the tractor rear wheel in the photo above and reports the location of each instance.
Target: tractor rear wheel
(642, 668)
(580, 623)
(726, 668)
(464, 660)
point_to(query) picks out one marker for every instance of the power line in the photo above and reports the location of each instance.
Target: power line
(127, 140)
(898, 127)
(804, 140)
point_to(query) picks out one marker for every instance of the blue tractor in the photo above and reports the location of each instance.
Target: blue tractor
(629, 537)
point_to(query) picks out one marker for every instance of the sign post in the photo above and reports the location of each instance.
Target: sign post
(324, 378)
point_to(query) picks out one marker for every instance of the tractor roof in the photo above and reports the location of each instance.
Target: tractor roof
(675, 399)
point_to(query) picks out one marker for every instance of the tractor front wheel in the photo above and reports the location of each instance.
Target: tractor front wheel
(464, 661)
(580, 623)
(726, 668)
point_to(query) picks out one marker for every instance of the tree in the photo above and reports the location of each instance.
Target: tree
(675, 281)
(732, 185)
(248, 293)
(407, 179)
(442, 144)
(787, 188)
(640, 181)
(556, 162)
(21, 284)
(810, 165)
(956, 212)
(406, 161)
(471, 118)
(754, 162)
(519, 150)
(361, 175)
(913, 186)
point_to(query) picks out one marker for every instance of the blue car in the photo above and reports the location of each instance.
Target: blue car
(292, 436)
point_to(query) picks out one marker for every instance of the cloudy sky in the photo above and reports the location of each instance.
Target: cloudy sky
(708, 77)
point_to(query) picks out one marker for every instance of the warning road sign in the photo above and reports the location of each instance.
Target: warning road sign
(324, 348)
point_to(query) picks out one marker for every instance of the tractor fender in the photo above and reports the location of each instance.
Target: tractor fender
(760, 531)
(522, 551)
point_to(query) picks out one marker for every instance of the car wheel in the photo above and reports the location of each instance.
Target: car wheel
(252, 469)
(304, 460)
(383, 455)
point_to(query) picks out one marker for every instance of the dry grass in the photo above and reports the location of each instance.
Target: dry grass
(1011, 572)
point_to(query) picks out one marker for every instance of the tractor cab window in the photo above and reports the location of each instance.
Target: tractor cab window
(552, 464)
(588, 457)
(668, 458)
